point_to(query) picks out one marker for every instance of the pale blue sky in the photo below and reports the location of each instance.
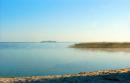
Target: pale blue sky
(65, 20)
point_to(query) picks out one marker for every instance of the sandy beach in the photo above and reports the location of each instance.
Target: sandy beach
(103, 76)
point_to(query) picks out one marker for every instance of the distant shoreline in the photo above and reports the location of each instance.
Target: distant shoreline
(103, 76)
(102, 45)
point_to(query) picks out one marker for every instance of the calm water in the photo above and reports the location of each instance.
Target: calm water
(26, 59)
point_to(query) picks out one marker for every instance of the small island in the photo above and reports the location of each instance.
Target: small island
(48, 41)
(102, 45)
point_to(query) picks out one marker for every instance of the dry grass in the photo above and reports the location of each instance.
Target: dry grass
(102, 45)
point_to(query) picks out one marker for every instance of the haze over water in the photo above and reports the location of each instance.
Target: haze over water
(27, 59)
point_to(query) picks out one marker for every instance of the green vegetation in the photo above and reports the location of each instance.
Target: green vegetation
(102, 45)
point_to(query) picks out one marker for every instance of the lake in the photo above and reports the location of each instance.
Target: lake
(30, 59)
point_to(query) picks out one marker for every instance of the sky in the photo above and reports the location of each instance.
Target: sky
(64, 20)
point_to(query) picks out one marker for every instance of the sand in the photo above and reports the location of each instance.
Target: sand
(103, 76)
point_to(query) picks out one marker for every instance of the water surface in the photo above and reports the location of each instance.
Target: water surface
(27, 59)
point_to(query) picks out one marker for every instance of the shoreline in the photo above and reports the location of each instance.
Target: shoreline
(105, 76)
(102, 45)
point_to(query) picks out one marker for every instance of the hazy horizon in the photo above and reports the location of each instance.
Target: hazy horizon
(65, 20)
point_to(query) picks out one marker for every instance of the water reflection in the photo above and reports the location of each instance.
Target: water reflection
(125, 50)
(23, 59)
